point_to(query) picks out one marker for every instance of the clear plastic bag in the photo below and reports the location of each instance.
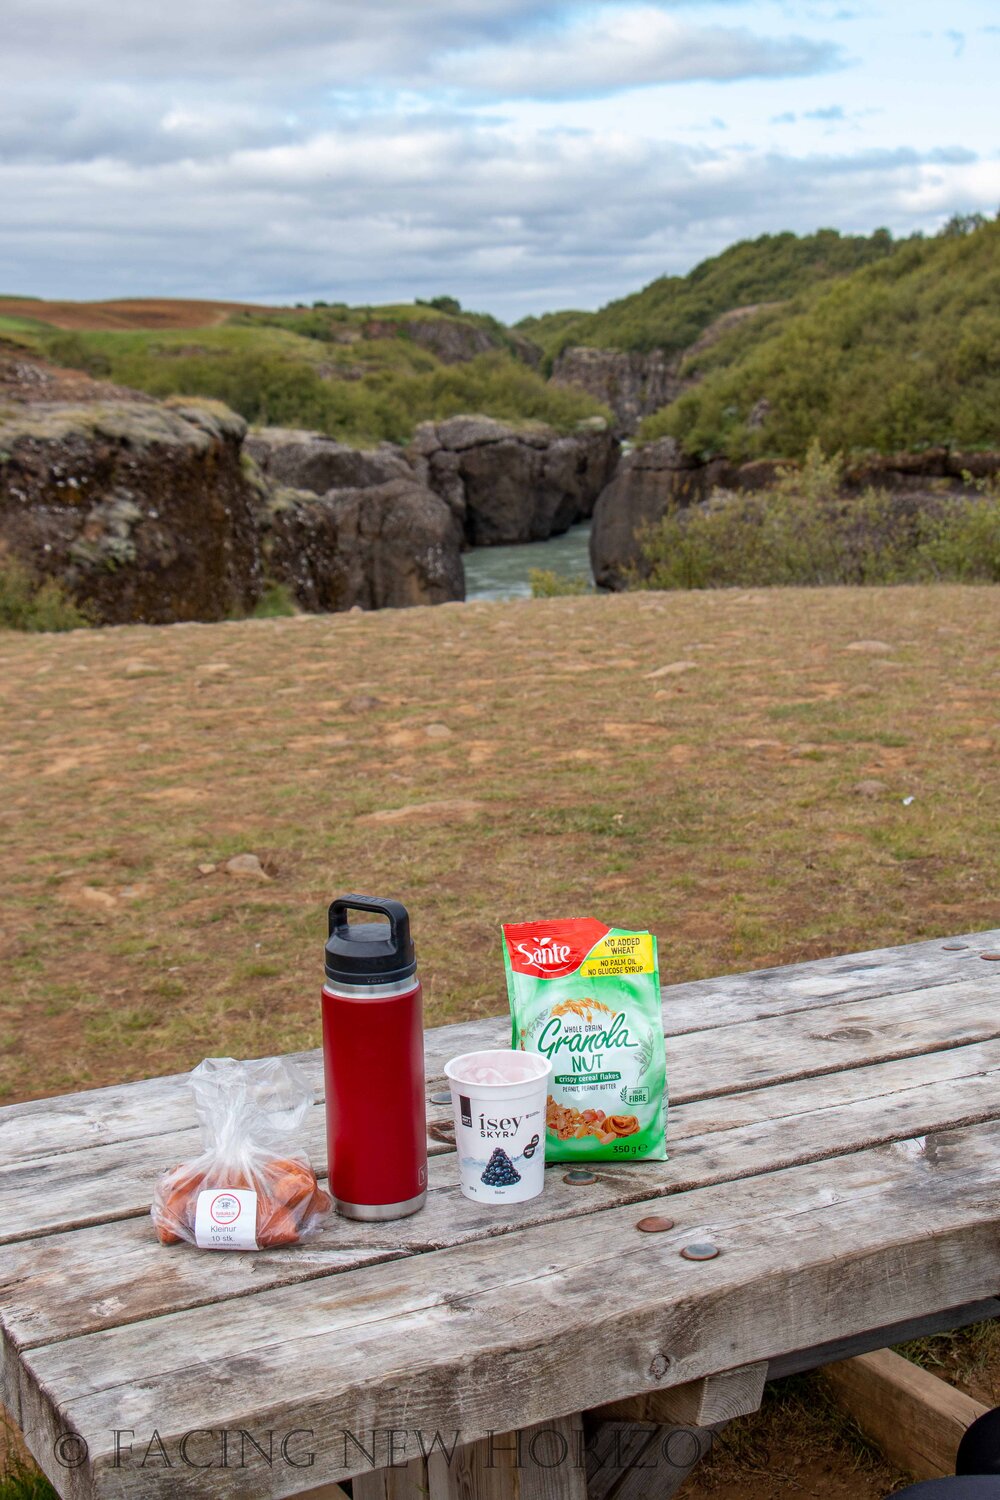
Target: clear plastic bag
(250, 1189)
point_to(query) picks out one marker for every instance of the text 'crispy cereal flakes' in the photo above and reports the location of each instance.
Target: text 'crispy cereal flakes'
(587, 997)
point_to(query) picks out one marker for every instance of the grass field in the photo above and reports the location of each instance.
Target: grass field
(482, 762)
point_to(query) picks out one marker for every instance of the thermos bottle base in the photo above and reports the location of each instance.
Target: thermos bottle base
(374, 1212)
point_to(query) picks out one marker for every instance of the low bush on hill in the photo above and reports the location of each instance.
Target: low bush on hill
(805, 530)
(545, 584)
(26, 603)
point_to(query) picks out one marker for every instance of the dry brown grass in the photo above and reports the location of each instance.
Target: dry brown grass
(798, 1446)
(123, 312)
(713, 804)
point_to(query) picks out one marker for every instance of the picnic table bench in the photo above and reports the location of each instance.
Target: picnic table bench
(834, 1133)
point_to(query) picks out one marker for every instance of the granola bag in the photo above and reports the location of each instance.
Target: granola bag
(587, 997)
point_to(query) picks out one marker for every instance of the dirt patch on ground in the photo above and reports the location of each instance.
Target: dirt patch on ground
(26, 380)
(124, 312)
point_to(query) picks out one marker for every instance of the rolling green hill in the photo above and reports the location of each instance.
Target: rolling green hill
(902, 354)
(672, 311)
(360, 374)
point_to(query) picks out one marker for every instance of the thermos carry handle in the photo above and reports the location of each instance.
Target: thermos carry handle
(394, 910)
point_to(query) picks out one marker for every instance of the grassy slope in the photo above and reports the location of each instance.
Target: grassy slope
(901, 354)
(286, 366)
(672, 311)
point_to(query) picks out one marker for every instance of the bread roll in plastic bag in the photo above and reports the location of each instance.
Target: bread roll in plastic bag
(252, 1187)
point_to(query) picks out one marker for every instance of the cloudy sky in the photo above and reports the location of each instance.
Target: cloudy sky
(517, 154)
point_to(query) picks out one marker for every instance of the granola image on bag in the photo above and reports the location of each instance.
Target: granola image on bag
(587, 997)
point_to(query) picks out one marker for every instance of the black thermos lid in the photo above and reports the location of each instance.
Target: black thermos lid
(369, 952)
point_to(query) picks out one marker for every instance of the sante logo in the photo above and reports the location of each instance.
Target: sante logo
(551, 950)
(547, 955)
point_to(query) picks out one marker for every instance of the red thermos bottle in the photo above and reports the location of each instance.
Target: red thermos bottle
(373, 1054)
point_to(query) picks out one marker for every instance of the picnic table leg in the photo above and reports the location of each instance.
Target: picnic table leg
(698, 1403)
(404, 1482)
(646, 1446)
(642, 1460)
(543, 1462)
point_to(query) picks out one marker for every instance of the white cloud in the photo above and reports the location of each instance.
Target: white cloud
(342, 43)
(370, 149)
(506, 219)
(622, 48)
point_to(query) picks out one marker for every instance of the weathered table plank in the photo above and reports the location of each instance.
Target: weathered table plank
(404, 1343)
(152, 1106)
(106, 1182)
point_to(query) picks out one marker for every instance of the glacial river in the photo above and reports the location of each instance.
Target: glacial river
(502, 572)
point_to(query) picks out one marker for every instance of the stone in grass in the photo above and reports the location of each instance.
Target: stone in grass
(448, 809)
(247, 866)
(672, 669)
(90, 896)
(500, 1170)
(869, 788)
(870, 648)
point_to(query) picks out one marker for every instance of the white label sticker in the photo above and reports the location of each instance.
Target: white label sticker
(226, 1219)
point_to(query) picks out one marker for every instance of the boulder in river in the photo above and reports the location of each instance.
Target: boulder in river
(649, 482)
(387, 545)
(513, 484)
(305, 460)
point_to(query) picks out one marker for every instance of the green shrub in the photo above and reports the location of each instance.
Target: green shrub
(805, 531)
(275, 602)
(548, 585)
(18, 1482)
(72, 349)
(29, 604)
(441, 304)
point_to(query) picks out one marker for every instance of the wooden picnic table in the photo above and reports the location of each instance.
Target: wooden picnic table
(834, 1132)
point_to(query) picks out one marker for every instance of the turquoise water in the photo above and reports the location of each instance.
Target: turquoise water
(502, 572)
